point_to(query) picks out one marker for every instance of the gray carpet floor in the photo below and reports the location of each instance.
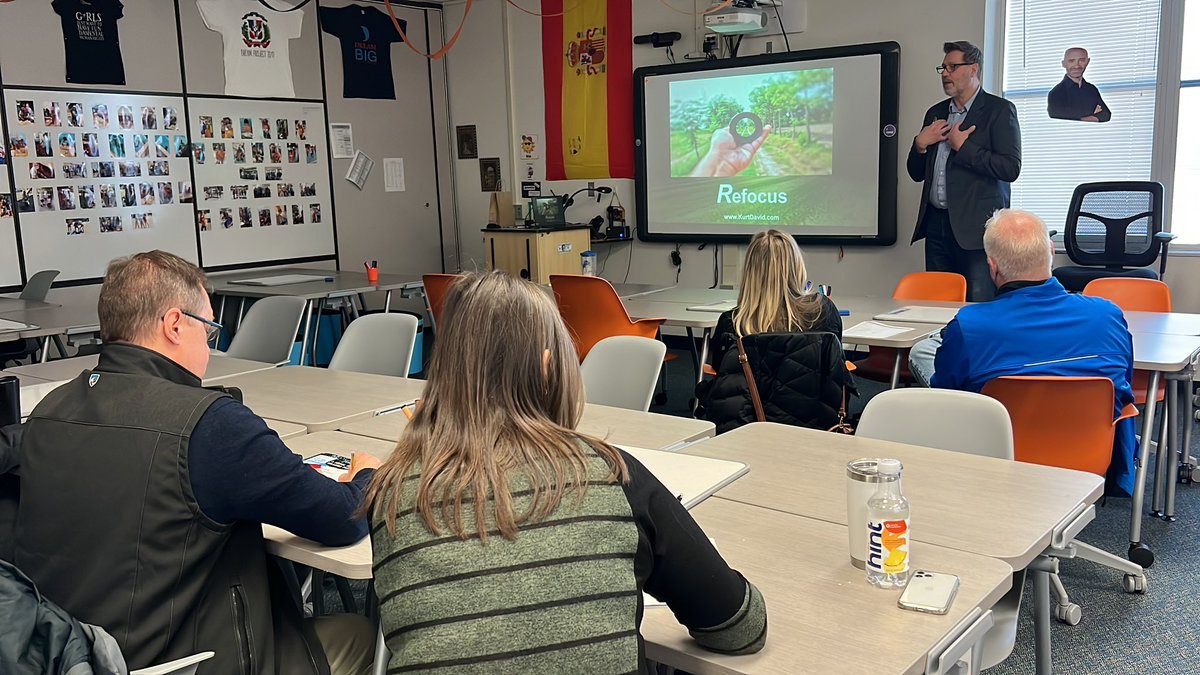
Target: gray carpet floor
(1120, 633)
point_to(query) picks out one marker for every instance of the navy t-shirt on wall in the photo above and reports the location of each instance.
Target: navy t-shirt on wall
(90, 37)
(366, 35)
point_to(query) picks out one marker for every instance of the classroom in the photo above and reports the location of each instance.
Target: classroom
(656, 336)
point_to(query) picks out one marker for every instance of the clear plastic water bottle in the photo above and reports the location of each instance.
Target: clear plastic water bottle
(887, 529)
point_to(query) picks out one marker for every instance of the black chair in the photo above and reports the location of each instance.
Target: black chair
(36, 290)
(1114, 229)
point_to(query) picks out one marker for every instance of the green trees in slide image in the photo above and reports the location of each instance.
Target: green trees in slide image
(798, 106)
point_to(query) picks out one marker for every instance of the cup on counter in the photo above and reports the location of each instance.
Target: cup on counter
(862, 478)
(372, 275)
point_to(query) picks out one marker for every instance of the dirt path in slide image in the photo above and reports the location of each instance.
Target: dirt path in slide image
(766, 164)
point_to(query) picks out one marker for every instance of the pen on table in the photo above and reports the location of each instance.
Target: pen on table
(843, 312)
(409, 409)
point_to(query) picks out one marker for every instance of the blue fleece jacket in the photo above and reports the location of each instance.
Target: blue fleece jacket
(1042, 329)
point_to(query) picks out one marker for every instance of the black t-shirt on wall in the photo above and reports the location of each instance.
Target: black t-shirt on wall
(366, 35)
(90, 38)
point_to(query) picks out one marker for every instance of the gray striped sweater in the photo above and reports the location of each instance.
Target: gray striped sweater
(565, 596)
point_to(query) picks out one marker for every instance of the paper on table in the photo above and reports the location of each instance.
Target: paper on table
(7, 325)
(871, 329)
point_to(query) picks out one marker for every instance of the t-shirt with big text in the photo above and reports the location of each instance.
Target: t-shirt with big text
(366, 35)
(90, 39)
(257, 60)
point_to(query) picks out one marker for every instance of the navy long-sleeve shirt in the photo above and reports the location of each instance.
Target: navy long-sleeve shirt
(242, 471)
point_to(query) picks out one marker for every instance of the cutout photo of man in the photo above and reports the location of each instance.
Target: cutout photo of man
(1075, 98)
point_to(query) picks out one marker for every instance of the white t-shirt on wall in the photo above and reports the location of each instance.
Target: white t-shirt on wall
(257, 60)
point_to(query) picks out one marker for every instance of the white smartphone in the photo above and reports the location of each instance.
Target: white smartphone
(929, 592)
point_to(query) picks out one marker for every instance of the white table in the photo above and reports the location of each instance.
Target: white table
(1160, 354)
(286, 430)
(219, 367)
(319, 398)
(1171, 323)
(803, 472)
(328, 284)
(823, 616)
(693, 479)
(615, 425)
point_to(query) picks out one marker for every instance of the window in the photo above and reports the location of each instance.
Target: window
(1122, 40)
(1186, 181)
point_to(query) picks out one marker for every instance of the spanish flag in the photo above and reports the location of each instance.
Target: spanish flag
(587, 63)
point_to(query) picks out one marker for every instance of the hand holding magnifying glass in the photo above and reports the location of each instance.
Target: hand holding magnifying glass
(729, 156)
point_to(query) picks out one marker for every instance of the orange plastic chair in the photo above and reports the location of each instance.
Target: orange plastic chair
(593, 311)
(436, 287)
(1134, 295)
(932, 286)
(1038, 407)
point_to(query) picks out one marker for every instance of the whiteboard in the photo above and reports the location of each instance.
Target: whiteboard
(262, 180)
(109, 175)
(10, 265)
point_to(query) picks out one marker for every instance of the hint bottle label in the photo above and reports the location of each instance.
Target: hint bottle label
(895, 544)
(887, 546)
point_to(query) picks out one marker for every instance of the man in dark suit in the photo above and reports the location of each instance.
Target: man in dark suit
(967, 154)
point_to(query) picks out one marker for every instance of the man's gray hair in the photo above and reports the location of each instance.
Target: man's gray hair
(1018, 243)
(139, 289)
(971, 53)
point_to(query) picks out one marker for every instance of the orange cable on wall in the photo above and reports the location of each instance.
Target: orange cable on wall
(449, 43)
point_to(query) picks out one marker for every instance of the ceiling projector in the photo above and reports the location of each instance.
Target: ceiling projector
(736, 20)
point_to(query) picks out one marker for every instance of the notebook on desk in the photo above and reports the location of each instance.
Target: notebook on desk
(718, 307)
(919, 314)
(278, 280)
(7, 325)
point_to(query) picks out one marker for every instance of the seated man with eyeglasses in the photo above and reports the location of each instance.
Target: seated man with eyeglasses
(143, 495)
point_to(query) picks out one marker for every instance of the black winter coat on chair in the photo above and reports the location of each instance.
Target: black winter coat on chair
(801, 379)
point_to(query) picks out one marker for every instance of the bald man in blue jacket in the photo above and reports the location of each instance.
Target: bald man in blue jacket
(1035, 327)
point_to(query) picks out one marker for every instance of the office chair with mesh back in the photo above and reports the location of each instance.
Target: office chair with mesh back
(1114, 229)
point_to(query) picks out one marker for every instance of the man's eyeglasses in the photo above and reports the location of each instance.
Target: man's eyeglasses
(211, 328)
(951, 67)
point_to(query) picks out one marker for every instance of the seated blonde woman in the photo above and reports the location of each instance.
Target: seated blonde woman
(505, 541)
(772, 299)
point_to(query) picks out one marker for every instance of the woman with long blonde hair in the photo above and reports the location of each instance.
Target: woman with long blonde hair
(507, 541)
(774, 298)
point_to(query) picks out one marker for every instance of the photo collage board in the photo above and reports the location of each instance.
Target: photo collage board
(262, 179)
(10, 264)
(98, 176)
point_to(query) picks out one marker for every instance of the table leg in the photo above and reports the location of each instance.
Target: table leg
(58, 344)
(221, 311)
(316, 331)
(45, 349)
(1171, 468)
(1041, 616)
(307, 325)
(704, 344)
(1160, 454)
(695, 353)
(1139, 552)
(896, 369)
(241, 310)
(387, 302)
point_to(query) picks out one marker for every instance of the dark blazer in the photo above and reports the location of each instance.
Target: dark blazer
(978, 176)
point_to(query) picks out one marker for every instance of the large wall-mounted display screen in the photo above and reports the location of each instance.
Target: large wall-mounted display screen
(801, 141)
